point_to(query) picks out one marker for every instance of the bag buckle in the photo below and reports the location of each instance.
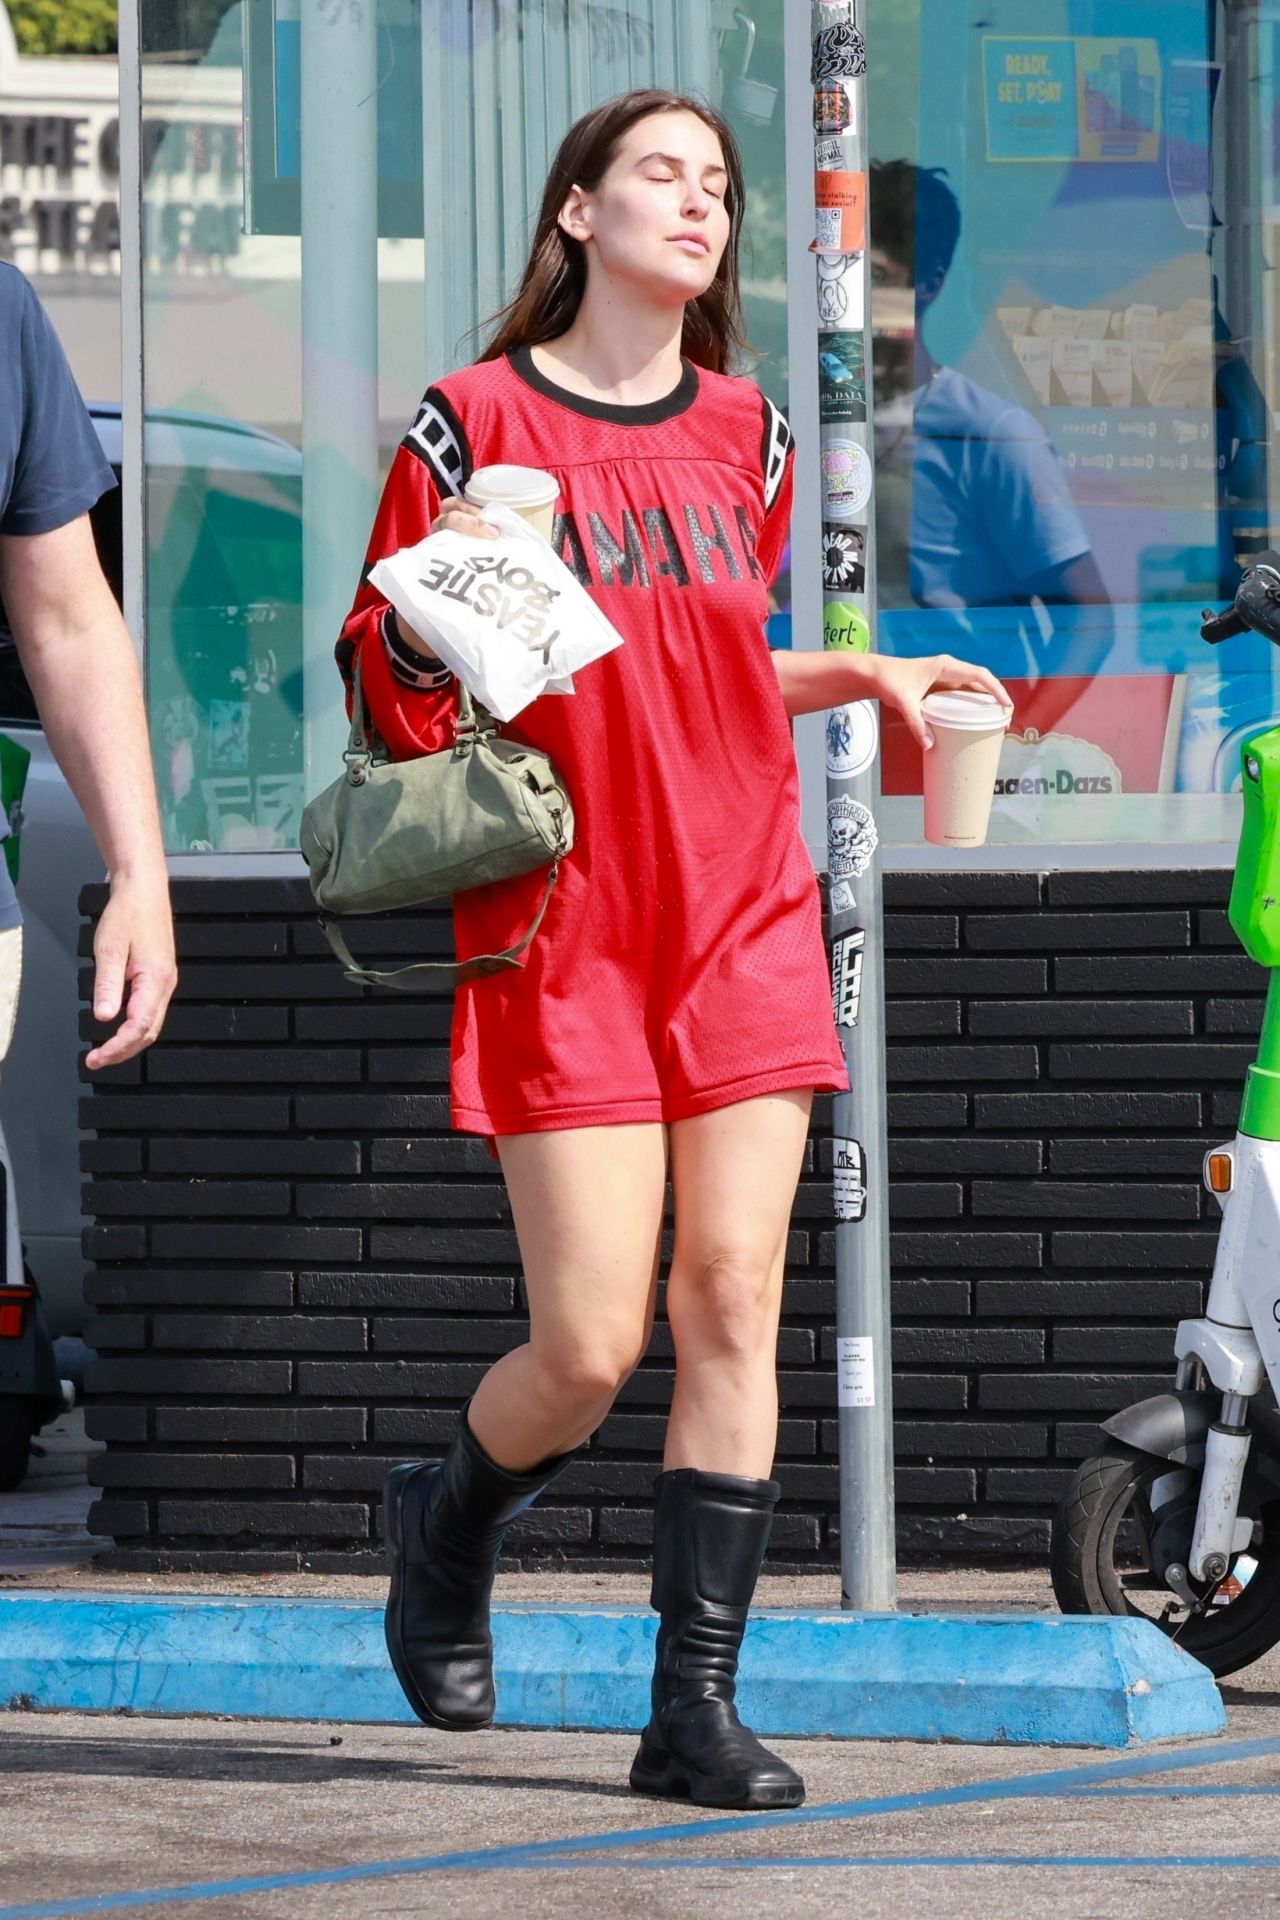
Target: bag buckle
(467, 732)
(357, 765)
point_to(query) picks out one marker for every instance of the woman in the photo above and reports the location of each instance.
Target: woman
(673, 1015)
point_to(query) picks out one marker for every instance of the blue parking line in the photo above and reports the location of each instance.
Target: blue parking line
(586, 1849)
(747, 1863)
(1176, 1792)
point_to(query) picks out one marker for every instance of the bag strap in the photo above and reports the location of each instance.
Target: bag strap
(359, 745)
(438, 973)
(471, 719)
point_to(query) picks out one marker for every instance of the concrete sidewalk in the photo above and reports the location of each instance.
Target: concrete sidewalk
(42, 1522)
(44, 1543)
(963, 1659)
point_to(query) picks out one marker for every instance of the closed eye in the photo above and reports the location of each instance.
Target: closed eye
(672, 170)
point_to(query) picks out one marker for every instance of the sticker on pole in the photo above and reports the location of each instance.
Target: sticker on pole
(846, 976)
(840, 297)
(852, 737)
(855, 1371)
(839, 53)
(851, 838)
(842, 899)
(834, 153)
(844, 559)
(844, 628)
(840, 212)
(842, 382)
(846, 480)
(849, 1179)
(835, 108)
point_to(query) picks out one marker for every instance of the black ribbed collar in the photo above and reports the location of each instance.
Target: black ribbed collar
(651, 414)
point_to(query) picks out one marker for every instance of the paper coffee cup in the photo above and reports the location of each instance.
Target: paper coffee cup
(960, 767)
(528, 491)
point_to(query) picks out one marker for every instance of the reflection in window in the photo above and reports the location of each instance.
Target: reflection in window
(1071, 425)
(224, 321)
(226, 639)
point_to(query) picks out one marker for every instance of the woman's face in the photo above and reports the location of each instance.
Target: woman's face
(658, 220)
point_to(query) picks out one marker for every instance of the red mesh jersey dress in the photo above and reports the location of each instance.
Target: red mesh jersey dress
(680, 965)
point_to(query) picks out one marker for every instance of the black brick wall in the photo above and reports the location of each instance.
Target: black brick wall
(300, 1272)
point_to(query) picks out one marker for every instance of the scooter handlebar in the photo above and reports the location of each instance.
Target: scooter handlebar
(1221, 626)
(1256, 607)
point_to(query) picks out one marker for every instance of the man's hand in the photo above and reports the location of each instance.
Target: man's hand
(133, 947)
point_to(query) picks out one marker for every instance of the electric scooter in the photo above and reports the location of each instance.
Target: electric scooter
(1179, 1517)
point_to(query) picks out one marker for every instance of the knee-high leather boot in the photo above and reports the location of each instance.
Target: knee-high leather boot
(445, 1523)
(710, 1534)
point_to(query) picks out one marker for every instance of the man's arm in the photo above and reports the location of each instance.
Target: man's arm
(77, 655)
(1075, 649)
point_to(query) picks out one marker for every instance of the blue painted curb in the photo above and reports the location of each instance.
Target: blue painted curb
(981, 1678)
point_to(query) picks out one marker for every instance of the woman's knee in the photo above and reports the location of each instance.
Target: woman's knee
(727, 1302)
(587, 1373)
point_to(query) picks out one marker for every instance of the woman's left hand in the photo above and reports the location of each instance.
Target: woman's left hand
(904, 684)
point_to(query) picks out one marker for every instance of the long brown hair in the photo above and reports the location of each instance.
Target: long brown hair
(555, 276)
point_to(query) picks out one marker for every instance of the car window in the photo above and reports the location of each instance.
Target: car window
(17, 704)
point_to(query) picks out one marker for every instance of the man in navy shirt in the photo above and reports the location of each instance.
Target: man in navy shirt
(973, 511)
(77, 655)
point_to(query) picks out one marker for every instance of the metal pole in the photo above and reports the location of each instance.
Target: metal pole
(860, 1147)
(339, 347)
(132, 388)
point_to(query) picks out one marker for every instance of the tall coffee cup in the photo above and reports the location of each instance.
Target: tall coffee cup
(960, 767)
(528, 491)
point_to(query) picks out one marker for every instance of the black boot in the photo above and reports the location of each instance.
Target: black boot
(709, 1536)
(444, 1525)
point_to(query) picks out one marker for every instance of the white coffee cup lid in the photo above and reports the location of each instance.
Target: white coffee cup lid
(977, 711)
(512, 486)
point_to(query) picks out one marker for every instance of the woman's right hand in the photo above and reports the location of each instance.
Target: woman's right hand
(460, 516)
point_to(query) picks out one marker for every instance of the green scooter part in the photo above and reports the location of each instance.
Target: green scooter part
(1254, 913)
(14, 764)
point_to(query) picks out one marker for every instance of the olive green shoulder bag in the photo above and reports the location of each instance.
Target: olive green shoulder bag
(397, 833)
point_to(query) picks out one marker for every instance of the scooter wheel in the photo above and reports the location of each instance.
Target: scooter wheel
(15, 1442)
(1100, 1562)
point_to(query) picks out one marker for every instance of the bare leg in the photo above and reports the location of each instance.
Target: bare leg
(587, 1203)
(734, 1173)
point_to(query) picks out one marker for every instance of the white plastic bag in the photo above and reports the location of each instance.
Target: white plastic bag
(506, 614)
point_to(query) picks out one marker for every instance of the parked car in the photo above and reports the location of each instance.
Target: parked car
(224, 504)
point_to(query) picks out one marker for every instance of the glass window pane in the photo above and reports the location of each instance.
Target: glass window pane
(261, 416)
(1072, 393)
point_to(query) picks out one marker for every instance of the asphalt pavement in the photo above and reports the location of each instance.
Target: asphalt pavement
(221, 1820)
(123, 1814)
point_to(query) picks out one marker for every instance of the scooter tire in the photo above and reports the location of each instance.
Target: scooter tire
(1086, 1578)
(15, 1441)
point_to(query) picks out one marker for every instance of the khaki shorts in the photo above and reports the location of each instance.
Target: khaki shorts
(10, 979)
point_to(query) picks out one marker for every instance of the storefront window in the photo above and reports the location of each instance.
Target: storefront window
(1073, 215)
(1072, 210)
(295, 309)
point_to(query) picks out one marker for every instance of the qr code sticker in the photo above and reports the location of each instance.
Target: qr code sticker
(828, 227)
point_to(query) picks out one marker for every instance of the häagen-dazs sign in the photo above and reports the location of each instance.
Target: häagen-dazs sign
(1040, 775)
